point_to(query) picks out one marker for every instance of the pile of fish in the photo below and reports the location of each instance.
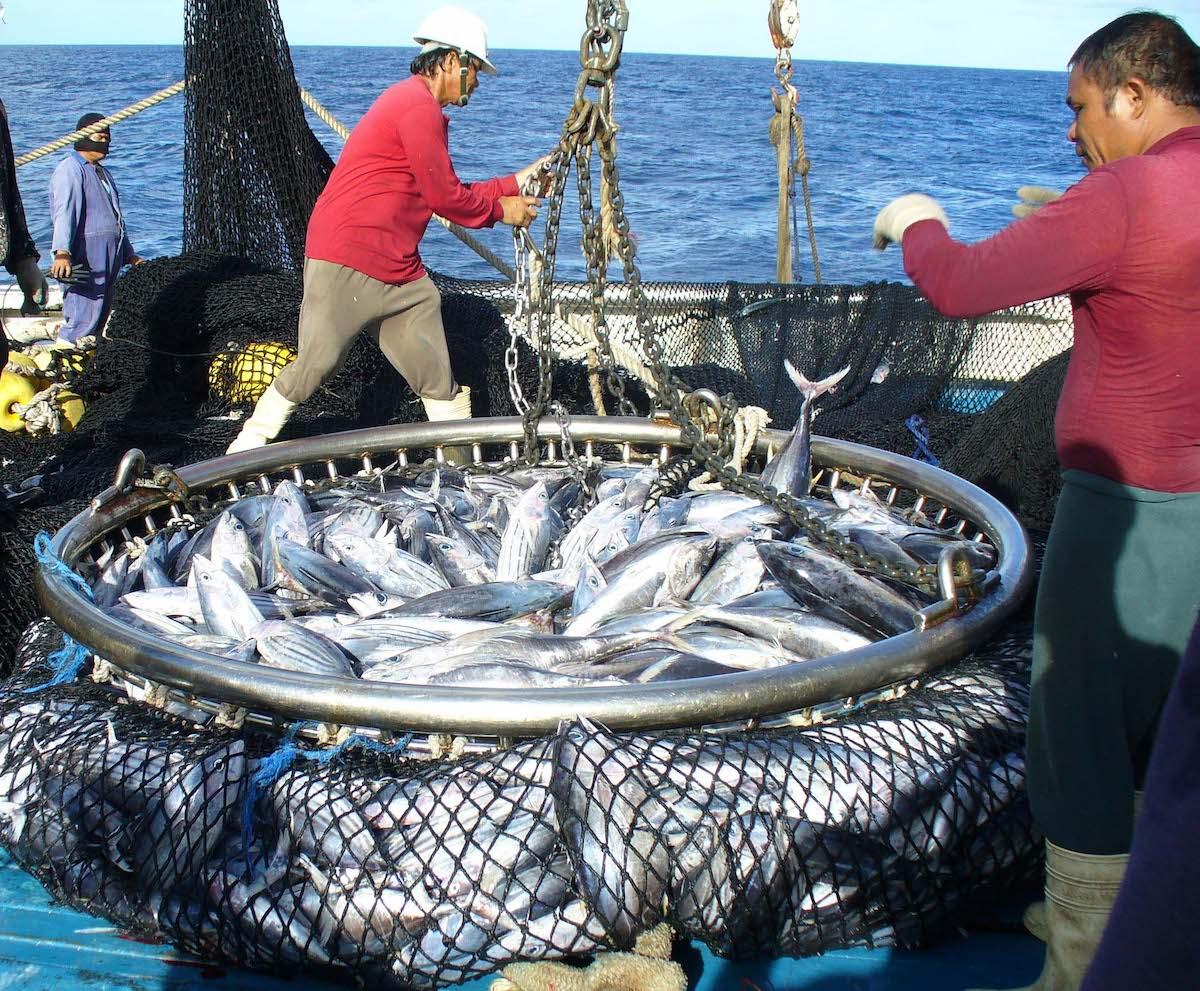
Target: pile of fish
(535, 577)
(419, 874)
(410, 873)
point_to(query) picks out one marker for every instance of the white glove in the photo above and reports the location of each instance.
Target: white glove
(32, 281)
(1033, 198)
(895, 218)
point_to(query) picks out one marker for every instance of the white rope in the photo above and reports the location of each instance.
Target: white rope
(18, 368)
(748, 423)
(156, 696)
(332, 735)
(101, 125)
(444, 745)
(230, 716)
(43, 413)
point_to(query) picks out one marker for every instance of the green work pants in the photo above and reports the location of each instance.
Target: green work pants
(1117, 599)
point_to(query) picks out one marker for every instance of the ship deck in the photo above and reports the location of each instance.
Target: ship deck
(44, 946)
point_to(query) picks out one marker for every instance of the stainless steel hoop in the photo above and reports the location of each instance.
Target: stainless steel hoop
(123, 512)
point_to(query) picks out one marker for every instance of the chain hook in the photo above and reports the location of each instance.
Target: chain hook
(955, 579)
(130, 468)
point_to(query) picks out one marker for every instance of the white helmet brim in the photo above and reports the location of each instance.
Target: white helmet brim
(428, 45)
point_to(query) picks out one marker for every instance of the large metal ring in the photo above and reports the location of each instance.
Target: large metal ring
(521, 712)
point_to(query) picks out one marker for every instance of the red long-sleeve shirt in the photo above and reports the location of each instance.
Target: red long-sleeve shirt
(1125, 243)
(393, 175)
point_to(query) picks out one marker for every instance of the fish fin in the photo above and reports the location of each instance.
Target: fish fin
(674, 641)
(318, 877)
(693, 615)
(812, 390)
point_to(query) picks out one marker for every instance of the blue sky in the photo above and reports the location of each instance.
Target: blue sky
(1017, 34)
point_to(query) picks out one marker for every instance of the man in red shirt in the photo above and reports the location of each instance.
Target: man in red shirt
(362, 267)
(1120, 586)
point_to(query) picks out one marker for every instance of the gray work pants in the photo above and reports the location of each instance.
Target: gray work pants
(405, 320)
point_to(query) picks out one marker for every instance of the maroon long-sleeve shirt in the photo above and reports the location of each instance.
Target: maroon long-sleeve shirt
(1125, 244)
(393, 175)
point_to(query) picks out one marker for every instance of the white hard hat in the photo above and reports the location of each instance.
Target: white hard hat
(453, 27)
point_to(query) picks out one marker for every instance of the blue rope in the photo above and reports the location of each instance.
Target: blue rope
(272, 768)
(69, 659)
(916, 427)
(44, 549)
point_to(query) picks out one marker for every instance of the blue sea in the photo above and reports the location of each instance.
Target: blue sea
(696, 162)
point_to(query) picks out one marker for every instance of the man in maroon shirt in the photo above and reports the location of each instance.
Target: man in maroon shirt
(1120, 585)
(362, 267)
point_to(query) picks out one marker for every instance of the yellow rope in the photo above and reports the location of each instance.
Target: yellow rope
(102, 125)
(335, 125)
(478, 247)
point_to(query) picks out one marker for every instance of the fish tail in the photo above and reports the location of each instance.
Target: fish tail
(812, 390)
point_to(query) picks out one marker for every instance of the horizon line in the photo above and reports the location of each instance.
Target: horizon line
(565, 51)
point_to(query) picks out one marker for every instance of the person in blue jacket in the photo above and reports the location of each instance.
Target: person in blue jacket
(90, 244)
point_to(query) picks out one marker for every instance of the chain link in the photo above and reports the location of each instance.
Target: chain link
(523, 313)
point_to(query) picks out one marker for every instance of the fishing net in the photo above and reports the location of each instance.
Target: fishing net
(193, 340)
(868, 825)
(252, 169)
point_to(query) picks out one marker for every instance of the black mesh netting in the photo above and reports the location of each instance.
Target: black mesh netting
(875, 830)
(252, 168)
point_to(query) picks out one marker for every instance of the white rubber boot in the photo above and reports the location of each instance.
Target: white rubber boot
(1034, 918)
(458, 408)
(270, 415)
(1080, 891)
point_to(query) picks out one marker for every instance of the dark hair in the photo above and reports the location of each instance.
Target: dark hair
(1149, 46)
(427, 63)
(87, 120)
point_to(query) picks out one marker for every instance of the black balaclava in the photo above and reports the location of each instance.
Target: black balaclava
(87, 144)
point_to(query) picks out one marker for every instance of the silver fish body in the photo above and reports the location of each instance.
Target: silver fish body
(828, 585)
(226, 607)
(791, 468)
(294, 648)
(527, 536)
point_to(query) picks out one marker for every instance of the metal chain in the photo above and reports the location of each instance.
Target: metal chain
(599, 54)
(595, 255)
(523, 313)
(577, 464)
(590, 123)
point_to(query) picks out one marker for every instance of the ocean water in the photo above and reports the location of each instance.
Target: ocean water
(696, 163)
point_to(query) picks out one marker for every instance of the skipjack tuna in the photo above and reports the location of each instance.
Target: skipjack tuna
(528, 578)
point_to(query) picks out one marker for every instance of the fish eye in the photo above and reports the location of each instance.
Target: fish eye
(380, 598)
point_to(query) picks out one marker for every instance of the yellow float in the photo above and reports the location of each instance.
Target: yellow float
(15, 389)
(72, 407)
(243, 376)
(29, 374)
